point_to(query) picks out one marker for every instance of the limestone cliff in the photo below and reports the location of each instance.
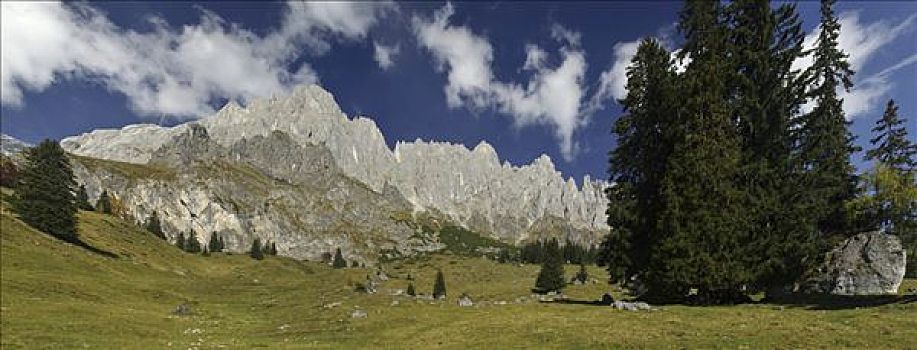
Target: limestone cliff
(470, 187)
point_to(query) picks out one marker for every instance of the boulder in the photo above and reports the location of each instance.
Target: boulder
(870, 263)
(182, 310)
(358, 314)
(607, 299)
(465, 300)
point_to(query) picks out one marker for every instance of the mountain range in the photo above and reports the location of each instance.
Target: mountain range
(296, 171)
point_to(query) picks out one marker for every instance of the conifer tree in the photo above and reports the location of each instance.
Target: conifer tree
(411, 290)
(180, 241)
(192, 245)
(439, 286)
(701, 221)
(766, 94)
(154, 226)
(103, 205)
(206, 252)
(551, 276)
(273, 248)
(9, 172)
(45, 192)
(82, 199)
(255, 251)
(582, 275)
(645, 142)
(222, 244)
(339, 262)
(825, 144)
(214, 243)
(891, 145)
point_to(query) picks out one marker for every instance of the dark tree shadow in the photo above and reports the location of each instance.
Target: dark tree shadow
(79, 243)
(839, 302)
(577, 302)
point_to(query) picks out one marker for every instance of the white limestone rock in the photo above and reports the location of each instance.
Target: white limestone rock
(470, 187)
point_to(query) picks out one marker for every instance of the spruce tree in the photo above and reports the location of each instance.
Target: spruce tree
(411, 290)
(214, 243)
(273, 248)
(82, 199)
(192, 245)
(103, 205)
(45, 192)
(180, 241)
(765, 95)
(9, 172)
(154, 226)
(439, 286)
(222, 244)
(891, 145)
(255, 251)
(891, 185)
(825, 144)
(206, 252)
(551, 276)
(339, 262)
(582, 275)
(637, 164)
(701, 224)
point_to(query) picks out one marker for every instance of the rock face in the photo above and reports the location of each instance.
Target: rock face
(469, 187)
(266, 187)
(10, 146)
(871, 263)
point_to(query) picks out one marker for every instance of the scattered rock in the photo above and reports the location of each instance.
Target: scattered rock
(629, 306)
(465, 300)
(332, 305)
(870, 263)
(182, 310)
(358, 314)
(381, 275)
(394, 303)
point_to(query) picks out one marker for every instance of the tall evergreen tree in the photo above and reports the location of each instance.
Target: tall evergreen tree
(82, 199)
(214, 243)
(645, 141)
(255, 251)
(765, 96)
(339, 262)
(891, 145)
(551, 276)
(702, 216)
(192, 245)
(890, 201)
(825, 144)
(411, 291)
(103, 205)
(45, 192)
(439, 286)
(154, 226)
(9, 172)
(222, 244)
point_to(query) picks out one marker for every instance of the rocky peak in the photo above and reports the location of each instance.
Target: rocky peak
(471, 187)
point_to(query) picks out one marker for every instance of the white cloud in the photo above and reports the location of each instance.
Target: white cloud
(167, 71)
(552, 96)
(613, 82)
(384, 55)
(861, 41)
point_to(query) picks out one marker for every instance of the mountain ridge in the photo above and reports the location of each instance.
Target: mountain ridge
(469, 186)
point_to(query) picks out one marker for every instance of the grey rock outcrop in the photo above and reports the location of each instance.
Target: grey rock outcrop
(265, 187)
(10, 146)
(871, 263)
(470, 187)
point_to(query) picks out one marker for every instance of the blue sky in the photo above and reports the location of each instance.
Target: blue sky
(529, 78)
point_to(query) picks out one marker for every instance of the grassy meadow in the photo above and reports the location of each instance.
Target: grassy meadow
(57, 295)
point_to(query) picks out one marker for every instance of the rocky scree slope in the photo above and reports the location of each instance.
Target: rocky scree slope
(469, 187)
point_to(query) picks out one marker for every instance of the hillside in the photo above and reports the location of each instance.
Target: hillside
(56, 295)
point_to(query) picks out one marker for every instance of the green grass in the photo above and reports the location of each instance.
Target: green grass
(56, 295)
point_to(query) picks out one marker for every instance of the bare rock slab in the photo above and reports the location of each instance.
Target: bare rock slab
(870, 263)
